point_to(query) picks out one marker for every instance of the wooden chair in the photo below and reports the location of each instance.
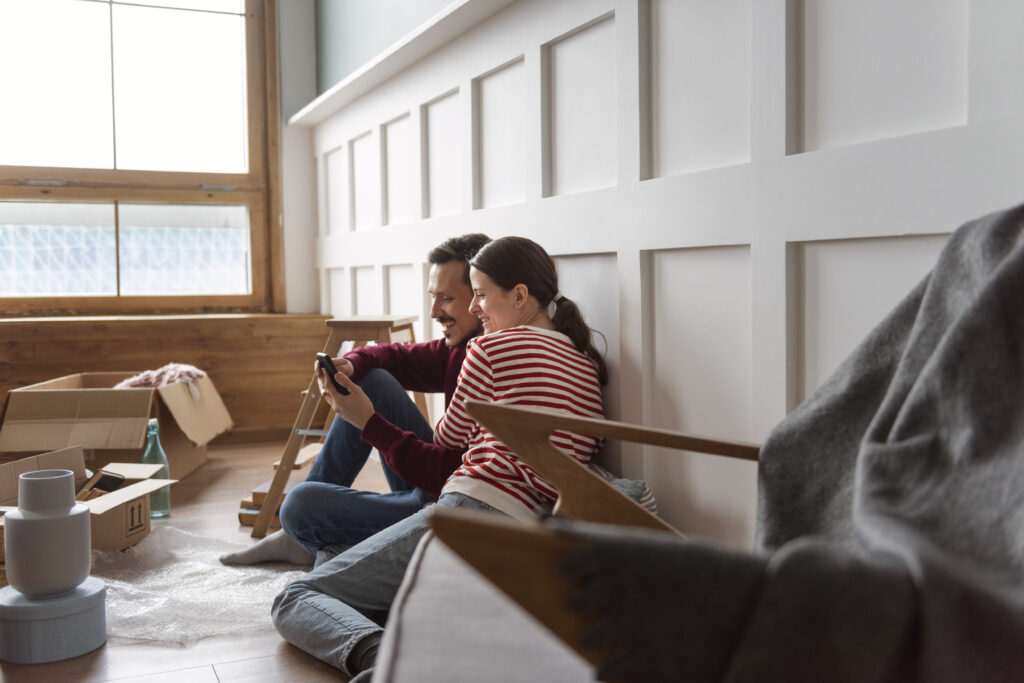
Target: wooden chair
(523, 559)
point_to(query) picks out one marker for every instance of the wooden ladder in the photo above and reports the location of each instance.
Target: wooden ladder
(361, 330)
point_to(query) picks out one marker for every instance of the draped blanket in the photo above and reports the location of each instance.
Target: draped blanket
(909, 462)
(890, 543)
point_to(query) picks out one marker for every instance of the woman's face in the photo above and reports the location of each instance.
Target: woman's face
(496, 308)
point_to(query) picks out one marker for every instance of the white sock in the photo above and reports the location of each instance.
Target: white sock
(277, 547)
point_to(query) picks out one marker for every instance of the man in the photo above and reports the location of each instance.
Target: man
(324, 513)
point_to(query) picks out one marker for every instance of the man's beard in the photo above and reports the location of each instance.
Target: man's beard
(476, 331)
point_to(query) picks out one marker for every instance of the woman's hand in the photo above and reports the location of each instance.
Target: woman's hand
(356, 408)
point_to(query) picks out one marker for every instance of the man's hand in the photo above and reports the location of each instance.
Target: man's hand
(356, 408)
(344, 365)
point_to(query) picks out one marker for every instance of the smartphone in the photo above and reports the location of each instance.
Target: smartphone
(327, 364)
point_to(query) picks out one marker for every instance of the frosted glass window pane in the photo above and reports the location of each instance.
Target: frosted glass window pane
(179, 90)
(57, 249)
(178, 249)
(55, 80)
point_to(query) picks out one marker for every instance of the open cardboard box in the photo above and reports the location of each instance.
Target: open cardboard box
(110, 424)
(119, 519)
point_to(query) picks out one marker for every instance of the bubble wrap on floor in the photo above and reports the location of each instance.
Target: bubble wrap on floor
(172, 588)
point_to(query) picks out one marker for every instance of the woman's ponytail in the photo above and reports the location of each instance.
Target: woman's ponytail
(569, 321)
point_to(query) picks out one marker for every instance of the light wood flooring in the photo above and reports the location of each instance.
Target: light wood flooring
(206, 503)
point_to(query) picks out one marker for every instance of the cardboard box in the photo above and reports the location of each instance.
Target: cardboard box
(119, 519)
(110, 424)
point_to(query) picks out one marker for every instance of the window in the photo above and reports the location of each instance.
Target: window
(136, 164)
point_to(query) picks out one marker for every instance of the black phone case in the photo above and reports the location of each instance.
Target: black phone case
(327, 364)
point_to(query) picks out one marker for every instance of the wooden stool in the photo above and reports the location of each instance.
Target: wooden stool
(361, 330)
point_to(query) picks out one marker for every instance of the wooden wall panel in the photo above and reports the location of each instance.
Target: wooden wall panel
(259, 363)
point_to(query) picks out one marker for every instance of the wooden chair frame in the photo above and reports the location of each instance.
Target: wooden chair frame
(583, 495)
(523, 560)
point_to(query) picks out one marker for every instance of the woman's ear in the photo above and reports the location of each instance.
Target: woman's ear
(520, 295)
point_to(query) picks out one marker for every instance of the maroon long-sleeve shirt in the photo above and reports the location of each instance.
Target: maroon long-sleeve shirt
(427, 367)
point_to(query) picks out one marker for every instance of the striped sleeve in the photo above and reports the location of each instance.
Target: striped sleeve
(456, 429)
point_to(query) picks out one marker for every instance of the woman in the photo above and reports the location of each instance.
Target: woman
(535, 351)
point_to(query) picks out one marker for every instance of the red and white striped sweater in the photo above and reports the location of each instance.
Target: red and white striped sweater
(524, 366)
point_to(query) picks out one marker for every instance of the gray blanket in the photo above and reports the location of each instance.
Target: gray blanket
(890, 515)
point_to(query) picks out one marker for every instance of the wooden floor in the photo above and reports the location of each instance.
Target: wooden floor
(206, 503)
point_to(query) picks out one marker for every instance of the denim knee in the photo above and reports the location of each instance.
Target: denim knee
(377, 379)
(295, 506)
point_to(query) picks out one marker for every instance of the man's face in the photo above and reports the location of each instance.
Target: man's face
(450, 297)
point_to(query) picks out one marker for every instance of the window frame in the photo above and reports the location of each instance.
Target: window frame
(258, 189)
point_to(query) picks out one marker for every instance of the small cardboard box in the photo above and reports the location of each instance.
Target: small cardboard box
(119, 519)
(110, 424)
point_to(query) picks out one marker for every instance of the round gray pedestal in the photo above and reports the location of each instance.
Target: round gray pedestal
(33, 631)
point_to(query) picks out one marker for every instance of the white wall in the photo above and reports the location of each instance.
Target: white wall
(350, 33)
(735, 191)
(296, 28)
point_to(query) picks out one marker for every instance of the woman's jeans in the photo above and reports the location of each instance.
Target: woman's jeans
(323, 511)
(344, 600)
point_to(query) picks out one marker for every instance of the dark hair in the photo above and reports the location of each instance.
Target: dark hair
(462, 248)
(510, 261)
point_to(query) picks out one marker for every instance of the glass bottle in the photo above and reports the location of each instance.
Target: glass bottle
(160, 500)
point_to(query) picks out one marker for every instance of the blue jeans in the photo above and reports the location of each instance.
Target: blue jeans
(323, 511)
(344, 600)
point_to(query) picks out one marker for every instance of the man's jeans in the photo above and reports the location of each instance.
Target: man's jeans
(344, 600)
(323, 510)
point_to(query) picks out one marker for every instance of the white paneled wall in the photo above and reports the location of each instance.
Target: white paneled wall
(839, 303)
(401, 172)
(734, 191)
(581, 111)
(500, 135)
(364, 181)
(700, 68)
(335, 181)
(339, 287)
(366, 287)
(701, 334)
(404, 292)
(910, 75)
(444, 129)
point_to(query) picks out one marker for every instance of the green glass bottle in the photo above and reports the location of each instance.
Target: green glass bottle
(159, 501)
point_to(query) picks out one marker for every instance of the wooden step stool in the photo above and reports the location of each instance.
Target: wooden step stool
(361, 330)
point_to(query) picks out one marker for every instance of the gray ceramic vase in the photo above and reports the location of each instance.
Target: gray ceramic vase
(47, 540)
